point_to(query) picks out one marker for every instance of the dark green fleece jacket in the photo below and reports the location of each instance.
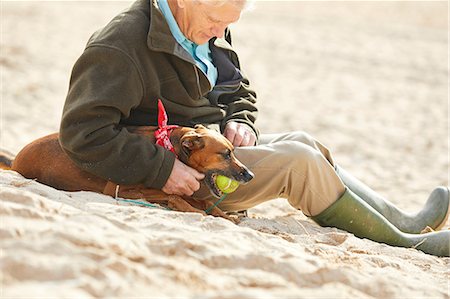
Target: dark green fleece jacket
(126, 67)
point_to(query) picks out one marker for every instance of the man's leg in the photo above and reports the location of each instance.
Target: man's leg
(434, 214)
(297, 170)
(302, 172)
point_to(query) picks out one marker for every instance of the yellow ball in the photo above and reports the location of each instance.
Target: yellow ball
(225, 184)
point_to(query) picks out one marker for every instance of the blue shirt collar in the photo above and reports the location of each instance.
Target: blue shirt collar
(176, 32)
(200, 53)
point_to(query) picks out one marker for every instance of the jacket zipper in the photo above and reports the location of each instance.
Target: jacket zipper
(197, 77)
(198, 80)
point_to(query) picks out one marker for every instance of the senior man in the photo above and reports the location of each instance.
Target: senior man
(180, 51)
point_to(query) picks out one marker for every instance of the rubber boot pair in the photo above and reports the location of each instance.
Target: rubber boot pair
(367, 215)
(434, 214)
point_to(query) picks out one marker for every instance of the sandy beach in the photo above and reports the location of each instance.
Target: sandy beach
(368, 79)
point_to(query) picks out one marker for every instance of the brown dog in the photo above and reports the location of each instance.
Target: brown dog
(200, 148)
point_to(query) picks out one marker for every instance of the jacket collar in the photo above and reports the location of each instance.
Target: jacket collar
(160, 37)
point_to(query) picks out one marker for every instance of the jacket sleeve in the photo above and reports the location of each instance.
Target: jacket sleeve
(105, 85)
(241, 106)
(241, 102)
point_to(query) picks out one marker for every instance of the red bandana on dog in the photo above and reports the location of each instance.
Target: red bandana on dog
(163, 133)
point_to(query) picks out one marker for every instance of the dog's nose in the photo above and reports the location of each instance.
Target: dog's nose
(246, 175)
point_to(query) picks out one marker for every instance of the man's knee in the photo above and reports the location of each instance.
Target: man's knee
(295, 153)
(303, 137)
(298, 136)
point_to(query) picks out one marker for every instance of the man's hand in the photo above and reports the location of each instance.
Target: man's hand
(183, 180)
(239, 134)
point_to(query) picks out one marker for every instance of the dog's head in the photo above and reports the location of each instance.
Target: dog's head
(211, 154)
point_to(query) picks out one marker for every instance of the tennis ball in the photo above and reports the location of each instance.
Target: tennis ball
(225, 184)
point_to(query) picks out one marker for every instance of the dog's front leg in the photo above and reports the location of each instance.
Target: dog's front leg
(173, 202)
(219, 213)
(177, 203)
(215, 211)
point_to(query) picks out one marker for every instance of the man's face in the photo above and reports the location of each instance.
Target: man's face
(200, 22)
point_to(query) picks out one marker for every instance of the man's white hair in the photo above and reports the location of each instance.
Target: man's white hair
(243, 4)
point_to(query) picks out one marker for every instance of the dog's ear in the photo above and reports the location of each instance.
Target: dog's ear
(199, 126)
(192, 142)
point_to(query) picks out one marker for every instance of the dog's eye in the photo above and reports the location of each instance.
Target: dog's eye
(227, 155)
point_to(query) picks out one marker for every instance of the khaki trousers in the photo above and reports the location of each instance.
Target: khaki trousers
(291, 165)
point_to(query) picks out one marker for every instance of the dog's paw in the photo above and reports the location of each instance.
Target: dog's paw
(233, 218)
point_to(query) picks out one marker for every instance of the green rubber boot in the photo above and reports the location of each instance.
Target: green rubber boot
(434, 214)
(354, 215)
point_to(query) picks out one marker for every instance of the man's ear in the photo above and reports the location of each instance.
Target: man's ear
(181, 3)
(192, 142)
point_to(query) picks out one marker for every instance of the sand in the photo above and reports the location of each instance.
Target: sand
(370, 80)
